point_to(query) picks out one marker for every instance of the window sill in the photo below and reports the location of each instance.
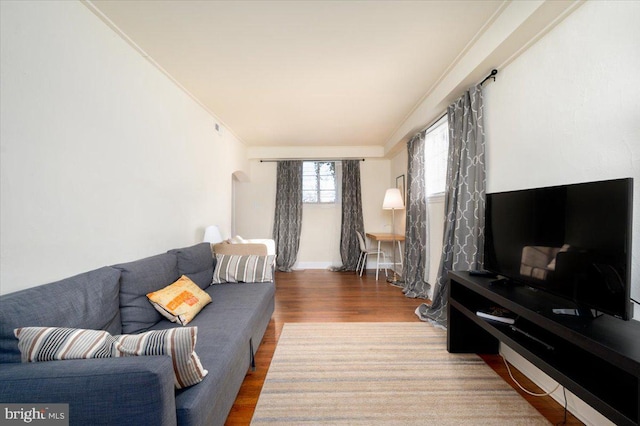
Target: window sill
(436, 198)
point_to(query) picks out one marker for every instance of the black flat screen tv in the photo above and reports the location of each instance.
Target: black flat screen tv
(572, 240)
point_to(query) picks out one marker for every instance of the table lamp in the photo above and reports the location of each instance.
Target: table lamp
(212, 235)
(393, 201)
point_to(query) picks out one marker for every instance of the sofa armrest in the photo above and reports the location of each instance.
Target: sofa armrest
(122, 391)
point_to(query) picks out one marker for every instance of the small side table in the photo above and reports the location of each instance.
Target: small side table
(380, 237)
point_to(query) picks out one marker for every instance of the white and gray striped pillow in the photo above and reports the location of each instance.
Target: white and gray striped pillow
(243, 269)
(56, 343)
(178, 343)
(39, 344)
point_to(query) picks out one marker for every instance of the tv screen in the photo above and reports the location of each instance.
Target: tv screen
(570, 240)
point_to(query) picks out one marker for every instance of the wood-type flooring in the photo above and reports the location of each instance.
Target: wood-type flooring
(324, 296)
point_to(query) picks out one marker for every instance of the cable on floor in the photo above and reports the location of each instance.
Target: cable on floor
(525, 390)
(564, 392)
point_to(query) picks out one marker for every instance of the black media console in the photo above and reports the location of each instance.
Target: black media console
(596, 359)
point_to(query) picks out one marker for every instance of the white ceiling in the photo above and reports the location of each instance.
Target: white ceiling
(305, 73)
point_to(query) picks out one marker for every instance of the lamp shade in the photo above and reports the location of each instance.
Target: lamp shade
(212, 235)
(392, 199)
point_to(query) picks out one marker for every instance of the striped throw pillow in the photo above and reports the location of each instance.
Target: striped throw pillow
(39, 344)
(178, 343)
(56, 343)
(243, 269)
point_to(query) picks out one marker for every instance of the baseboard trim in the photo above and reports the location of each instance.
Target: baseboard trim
(312, 265)
(327, 265)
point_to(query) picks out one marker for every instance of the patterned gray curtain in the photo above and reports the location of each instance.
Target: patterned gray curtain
(465, 199)
(416, 248)
(351, 214)
(288, 216)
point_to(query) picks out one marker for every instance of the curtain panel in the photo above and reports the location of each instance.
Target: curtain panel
(288, 214)
(351, 215)
(465, 199)
(416, 243)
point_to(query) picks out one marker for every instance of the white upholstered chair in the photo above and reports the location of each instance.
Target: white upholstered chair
(212, 235)
(364, 252)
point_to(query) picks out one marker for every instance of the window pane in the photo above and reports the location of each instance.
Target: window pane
(436, 152)
(319, 182)
(308, 168)
(327, 183)
(309, 184)
(327, 196)
(326, 169)
(309, 197)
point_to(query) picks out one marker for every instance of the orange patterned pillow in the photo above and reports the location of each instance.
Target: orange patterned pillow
(181, 301)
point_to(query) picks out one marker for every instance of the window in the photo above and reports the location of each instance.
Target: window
(436, 147)
(319, 182)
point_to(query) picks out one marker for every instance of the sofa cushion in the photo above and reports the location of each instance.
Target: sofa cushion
(139, 278)
(196, 262)
(38, 344)
(243, 269)
(181, 301)
(87, 300)
(236, 314)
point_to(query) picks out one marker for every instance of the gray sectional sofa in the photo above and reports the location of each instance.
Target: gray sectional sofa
(136, 390)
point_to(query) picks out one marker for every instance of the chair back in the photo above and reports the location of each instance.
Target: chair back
(363, 246)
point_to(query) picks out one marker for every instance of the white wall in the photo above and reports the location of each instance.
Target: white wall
(104, 159)
(436, 235)
(320, 234)
(256, 201)
(399, 168)
(376, 178)
(568, 110)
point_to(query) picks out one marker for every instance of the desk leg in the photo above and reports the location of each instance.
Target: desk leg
(378, 261)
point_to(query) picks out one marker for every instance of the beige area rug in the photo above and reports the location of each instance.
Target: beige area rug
(383, 373)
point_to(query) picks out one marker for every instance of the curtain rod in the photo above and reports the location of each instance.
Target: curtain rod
(491, 75)
(432, 123)
(309, 159)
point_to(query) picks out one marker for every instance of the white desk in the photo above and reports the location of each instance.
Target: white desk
(380, 237)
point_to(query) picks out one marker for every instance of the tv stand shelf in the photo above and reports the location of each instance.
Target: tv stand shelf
(596, 359)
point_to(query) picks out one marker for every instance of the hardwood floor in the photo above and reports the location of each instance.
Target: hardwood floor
(324, 296)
